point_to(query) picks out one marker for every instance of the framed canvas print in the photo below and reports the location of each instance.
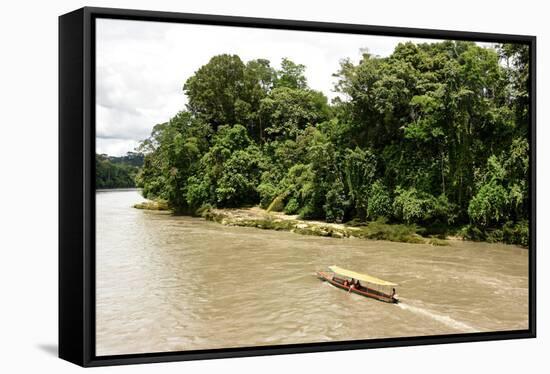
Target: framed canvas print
(236, 186)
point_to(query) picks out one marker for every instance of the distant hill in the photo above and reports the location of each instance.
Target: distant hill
(117, 172)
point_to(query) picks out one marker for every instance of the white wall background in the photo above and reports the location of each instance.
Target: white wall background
(28, 184)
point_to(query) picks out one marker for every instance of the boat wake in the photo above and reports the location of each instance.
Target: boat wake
(444, 319)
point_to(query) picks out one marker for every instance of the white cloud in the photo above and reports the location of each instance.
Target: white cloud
(142, 66)
(115, 147)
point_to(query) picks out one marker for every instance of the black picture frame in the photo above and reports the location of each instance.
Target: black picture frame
(77, 185)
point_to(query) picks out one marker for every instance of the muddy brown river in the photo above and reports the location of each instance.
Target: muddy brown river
(167, 283)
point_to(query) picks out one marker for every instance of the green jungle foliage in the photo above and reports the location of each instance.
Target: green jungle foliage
(117, 172)
(434, 135)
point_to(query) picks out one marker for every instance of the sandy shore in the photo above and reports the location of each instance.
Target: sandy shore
(262, 219)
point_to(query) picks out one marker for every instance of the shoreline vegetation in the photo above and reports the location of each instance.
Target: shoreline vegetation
(262, 219)
(428, 142)
(380, 229)
(153, 205)
(257, 217)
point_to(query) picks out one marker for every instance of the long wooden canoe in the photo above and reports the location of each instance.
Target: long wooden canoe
(368, 288)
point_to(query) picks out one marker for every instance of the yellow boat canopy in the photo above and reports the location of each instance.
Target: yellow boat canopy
(361, 277)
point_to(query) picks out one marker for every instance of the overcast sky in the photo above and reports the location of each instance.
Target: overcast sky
(142, 66)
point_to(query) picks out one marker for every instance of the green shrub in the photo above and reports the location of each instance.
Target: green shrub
(197, 192)
(510, 232)
(516, 233)
(380, 230)
(292, 206)
(408, 205)
(359, 170)
(379, 201)
(413, 206)
(489, 205)
(471, 232)
(237, 183)
(267, 192)
(335, 203)
(494, 235)
(308, 212)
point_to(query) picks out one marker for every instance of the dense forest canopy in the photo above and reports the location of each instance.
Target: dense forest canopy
(435, 134)
(117, 172)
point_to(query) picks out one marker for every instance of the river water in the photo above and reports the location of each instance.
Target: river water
(167, 283)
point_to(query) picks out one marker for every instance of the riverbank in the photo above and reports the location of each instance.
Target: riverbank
(374, 230)
(118, 189)
(152, 205)
(262, 219)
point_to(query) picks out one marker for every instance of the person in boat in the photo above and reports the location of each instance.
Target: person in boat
(352, 285)
(392, 292)
(357, 284)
